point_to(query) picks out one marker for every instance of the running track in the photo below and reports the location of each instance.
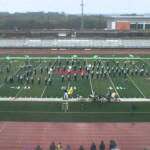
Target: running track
(27, 135)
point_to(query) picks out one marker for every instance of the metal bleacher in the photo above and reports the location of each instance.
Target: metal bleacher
(75, 43)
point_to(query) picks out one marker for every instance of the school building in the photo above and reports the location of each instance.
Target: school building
(128, 23)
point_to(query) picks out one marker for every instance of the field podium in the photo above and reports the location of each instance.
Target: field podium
(65, 106)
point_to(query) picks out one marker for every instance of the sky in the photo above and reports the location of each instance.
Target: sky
(73, 6)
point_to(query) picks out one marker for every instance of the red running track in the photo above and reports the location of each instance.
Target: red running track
(27, 135)
(72, 52)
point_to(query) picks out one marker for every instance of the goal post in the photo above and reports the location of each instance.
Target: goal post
(65, 106)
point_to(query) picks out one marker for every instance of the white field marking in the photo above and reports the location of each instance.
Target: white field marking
(135, 65)
(21, 89)
(16, 71)
(26, 83)
(110, 88)
(27, 87)
(111, 81)
(2, 85)
(90, 79)
(136, 85)
(143, 60)
(3, 127)
(18, 87)
(69, 81)
(46, 85)
(68, 85)
(43, 91)
(90, 58)
(13, 75)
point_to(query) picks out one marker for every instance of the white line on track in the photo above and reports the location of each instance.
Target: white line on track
(111, 81)
(3, 127)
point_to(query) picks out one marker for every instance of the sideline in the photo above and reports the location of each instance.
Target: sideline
(13, 99)
(38, 112)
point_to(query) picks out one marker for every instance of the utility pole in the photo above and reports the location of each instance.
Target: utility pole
(82, 6)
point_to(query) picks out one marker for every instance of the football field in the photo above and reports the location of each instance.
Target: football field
(40, 76)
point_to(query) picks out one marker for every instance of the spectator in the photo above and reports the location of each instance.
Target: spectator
(52, 146)
(59, 147)
(81, 148)
(102, 146)
(38, 148)
(133, 107)
(68, 147)
(65, 94)
(93, 146)
(112, 145)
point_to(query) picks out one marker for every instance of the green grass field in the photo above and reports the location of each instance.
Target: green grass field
(136, 87)
(88, 112)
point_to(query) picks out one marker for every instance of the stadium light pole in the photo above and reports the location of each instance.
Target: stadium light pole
(82, 6)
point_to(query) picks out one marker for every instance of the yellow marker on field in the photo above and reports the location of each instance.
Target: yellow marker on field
(70, 91)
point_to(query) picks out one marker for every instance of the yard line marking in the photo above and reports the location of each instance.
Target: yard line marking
(142, 60)
(91, 84)
(69, 81)
(44, 112)
(21, 89)
(136, 85)
(13, 75)
(68, 85)
(90, 80)
(46, 85)
(2, 85)
(111, 81)
(135, 65)
(43, 91)
(26, 83)
(16, 71)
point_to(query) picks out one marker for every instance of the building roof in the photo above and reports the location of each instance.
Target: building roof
(130, 17)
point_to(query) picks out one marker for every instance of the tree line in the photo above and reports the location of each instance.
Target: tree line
(50, 20)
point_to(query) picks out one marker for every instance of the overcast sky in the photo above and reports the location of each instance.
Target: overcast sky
(73, 6)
